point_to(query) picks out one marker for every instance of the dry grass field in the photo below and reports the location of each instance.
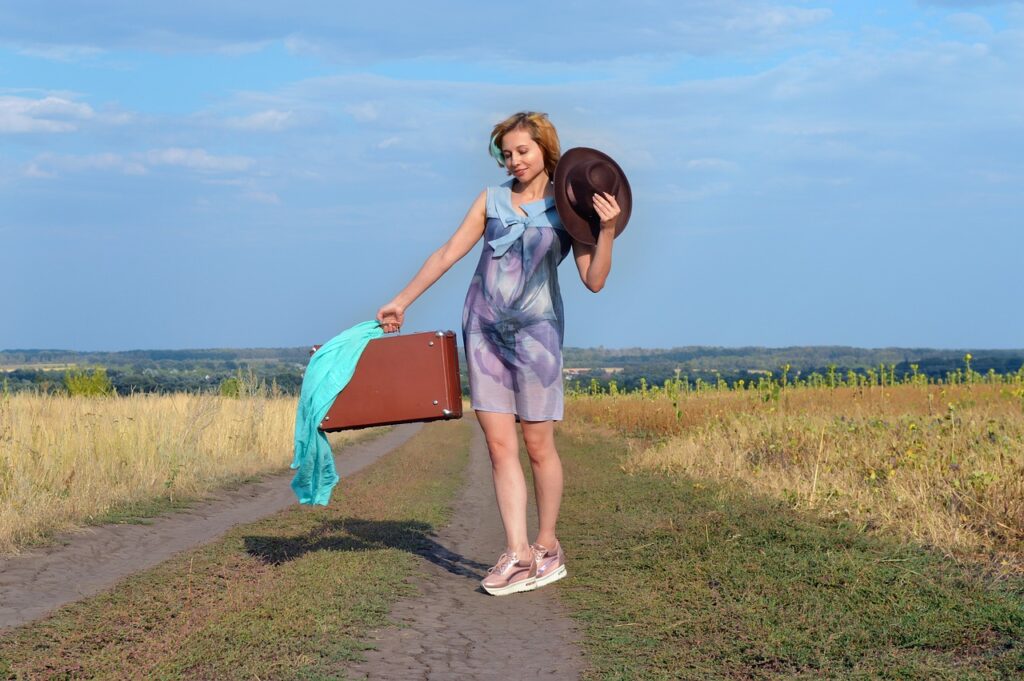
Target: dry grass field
(939, 464)
(65, 461)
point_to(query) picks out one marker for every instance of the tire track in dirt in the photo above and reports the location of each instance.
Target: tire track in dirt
(453, 629)
(94, 559)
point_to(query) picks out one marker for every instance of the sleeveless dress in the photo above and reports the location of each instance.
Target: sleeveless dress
(512, 322)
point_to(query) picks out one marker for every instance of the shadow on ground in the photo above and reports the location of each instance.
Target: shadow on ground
(355, 534)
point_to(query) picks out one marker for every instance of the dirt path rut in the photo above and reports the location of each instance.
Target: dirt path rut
(453, 629)
(94, 559)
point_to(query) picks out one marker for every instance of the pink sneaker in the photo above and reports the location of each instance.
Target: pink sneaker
(509, 576)
(549, 564)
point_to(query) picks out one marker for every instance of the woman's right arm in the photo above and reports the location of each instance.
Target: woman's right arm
(392, 315)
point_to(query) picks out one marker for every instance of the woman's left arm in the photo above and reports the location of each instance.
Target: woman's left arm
(595, 261)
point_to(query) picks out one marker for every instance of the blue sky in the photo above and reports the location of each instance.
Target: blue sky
(193, 174)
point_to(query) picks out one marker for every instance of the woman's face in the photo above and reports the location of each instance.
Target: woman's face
(523, 156)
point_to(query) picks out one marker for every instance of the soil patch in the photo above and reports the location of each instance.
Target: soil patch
(453, 629)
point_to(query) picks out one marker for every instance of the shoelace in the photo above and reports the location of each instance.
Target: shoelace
(503, 562)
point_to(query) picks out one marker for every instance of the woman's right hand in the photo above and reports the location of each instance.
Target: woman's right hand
(391, 317)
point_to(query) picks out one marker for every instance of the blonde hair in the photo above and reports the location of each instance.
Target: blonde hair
(541, 130)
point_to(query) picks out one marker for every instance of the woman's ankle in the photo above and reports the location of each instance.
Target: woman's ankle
(523, 553)
(549, 542)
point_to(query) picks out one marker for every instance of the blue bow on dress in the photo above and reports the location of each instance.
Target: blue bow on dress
(516, 228)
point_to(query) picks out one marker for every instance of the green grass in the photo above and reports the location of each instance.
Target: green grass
(669, 578)
(673, 578)
(290, 597)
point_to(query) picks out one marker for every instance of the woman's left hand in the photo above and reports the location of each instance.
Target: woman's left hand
(607, 209)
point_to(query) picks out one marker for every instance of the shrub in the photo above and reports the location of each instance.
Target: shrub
(81, 382)
(231, 387)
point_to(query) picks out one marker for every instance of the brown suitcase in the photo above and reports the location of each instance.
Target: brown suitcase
(400, 379)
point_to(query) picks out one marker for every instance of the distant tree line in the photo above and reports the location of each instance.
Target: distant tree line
(168, 371)
(158, 379)
(628, 367)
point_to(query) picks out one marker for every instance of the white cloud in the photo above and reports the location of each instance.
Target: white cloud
(49, 114)
(998, 177)
(364, 112)
(267, 198)
(243, 48)
(970, 24)
(197, 159)
(60, 53)
(772, 20)
(34, 170)
(389, 142)
(370, 32)
(271, 120)
(50, 165)
(809, 126)
(966, 3)
(298, 45)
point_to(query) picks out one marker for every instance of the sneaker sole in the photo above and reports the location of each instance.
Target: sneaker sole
(515, 588)
(553, 577)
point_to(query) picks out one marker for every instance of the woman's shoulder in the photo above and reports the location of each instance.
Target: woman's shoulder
(504, 186)
(497, 196)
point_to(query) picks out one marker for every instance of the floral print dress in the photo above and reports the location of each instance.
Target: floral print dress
(512, 324)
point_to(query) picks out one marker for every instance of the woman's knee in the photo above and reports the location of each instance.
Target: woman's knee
(540, 445)
(502, 449)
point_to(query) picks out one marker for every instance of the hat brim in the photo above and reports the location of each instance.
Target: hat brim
(579, 227)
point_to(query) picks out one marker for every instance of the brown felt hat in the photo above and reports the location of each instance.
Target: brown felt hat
(580, 173)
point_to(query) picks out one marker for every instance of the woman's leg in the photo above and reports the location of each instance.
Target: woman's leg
(547, 476)
(509, 481)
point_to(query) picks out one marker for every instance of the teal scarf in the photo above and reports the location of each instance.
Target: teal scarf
(329, 371)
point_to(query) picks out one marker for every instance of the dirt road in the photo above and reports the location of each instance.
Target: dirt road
(93, 559)
(453, 629)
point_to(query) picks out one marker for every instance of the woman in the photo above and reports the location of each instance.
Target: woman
(512, 333)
